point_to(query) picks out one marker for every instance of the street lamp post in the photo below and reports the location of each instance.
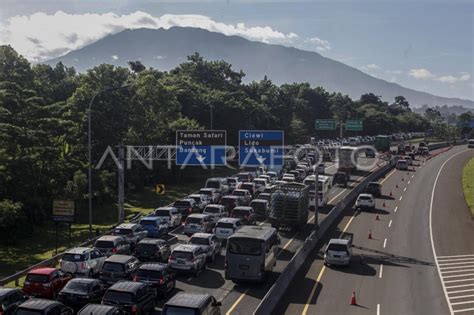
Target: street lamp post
(89, 147)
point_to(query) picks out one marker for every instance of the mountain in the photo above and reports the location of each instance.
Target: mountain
(164, 49)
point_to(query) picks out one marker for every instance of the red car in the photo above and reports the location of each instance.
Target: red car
(45, 282)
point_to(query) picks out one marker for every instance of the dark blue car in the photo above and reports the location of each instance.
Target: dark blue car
(155, 226)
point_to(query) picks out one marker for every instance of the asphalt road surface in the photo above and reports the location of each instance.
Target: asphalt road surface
(395, 272)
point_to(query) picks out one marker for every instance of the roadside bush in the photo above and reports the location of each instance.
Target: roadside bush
(13, 221)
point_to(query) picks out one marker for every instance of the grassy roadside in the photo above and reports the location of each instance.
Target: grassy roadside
(468, 184)
(40, 245)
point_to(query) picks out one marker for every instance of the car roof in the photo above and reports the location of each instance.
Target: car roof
(228, 220)
(43, 271)
(255, 232)
(202, 235)
(109, 238)
(165, 208)
(39, 304)
(127, 286)
(187, 199)
(375, 183)
(150, 217)
(78, 250)
(152, 241)
(259, 201)
(230, 197)
(119, 258)
(339, 241)
(153, 266)
(207, 189)
(243, 208)
(84, 280)
(96, 309)
(197, 215)
(366, 195)
(126, 226)
(195, 195)
(188, 299)
(186, 248)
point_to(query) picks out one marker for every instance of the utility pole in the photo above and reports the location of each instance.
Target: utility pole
(340, 129)
(316, 195)
(121, 181)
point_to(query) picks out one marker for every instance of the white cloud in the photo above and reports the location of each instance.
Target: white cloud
(114, 57)
(394, 71)
(421, 73)
(373, 66)
(38, 36)
(454, 79)
(320, 44)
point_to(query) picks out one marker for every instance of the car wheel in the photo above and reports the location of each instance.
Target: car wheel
(213, 257)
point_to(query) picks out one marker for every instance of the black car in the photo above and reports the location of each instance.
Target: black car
(132, 297)
(10, 298)
(245, 214)
(374, 188)
(340, 178)
(43, 307)
(186, 207)
(99, 309)
(81, 291)
(159, 276)
(152, 249)
(119, 267)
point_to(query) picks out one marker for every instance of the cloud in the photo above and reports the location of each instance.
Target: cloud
(114, 57)
(421, 74)
(425, 74)
(38, 36)
(373, 66)
(320, 44)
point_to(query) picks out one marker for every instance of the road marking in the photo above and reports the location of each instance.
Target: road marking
(396, 208)
(412, 176)
(386, 177)
(442, 264)
(460, 286)
(313, 291)
(378, 309)
(401, 197)
(231, 309)
(470, 255)
(446, 268)
(462, 280)
(384, 243)
(466, 302)
(464, 310)
(408, 182)
(404, 189)
(457, 271)
(431, 231)
(381, 271)
(457, 276)
(390, 223)
(461, 291)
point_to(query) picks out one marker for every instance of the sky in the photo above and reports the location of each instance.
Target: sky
(426, 45)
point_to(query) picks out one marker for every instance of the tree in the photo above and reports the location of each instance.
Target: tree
(136, 66)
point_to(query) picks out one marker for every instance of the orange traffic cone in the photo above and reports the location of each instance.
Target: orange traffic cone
(402, 179)
(370, 234)
(377, 217)
(396, 186)
(391, 194)
(383, 204)
(353, 299)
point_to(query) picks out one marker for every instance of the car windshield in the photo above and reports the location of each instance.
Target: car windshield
(123, 231)
(212, 209)
(118, 297)
(374, 185)
(77, 287)
(149, 222)
(206, 192)
(24, 311)
(177, 310)
(240, 212)
(364, 198)
(150, 274)
(213, 184)
(182, 203)
(162, 213)
(258, 205)
(113, 267)
(146, 247)
(182, 255)
(196, 198)
(247, 186)
(74, 257)
(243, 177)
(104, 244)
(232, 180)
(192, 220)
(37, 278)
(239, 193)
(224, 225)
(199, 241)
(337, 247)
(245, 246)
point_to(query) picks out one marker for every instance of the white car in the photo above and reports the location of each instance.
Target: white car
(338, 252)
(260, 184)
(82, 261)
(225, 227)
(208, 243)
(365, 201)
(402, 165)
(201, 200)
(212, 194)
(216, 212)
(170, 215)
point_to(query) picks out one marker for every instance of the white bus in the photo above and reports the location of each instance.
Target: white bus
(324, 186)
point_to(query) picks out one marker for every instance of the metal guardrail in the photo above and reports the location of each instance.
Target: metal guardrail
(278, 289)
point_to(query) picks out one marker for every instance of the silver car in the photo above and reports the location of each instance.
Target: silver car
(132, 232)
(171, 215)
(208, 242)
(225, 227)
(196, 223)
(189, 258)
(216, 212)
(82, 261)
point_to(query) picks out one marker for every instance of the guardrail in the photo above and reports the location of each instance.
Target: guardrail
(278, 289)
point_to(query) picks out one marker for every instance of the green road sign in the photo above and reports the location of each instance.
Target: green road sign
(325, 124)
(354, 125)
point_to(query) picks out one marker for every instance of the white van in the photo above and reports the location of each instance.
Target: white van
(470, 143)
(402, 165)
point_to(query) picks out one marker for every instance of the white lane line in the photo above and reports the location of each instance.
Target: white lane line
(401, 197)
(396, 208)
(412, 176)
(457, 271)
(431, 230)
(461, 296)
(457, 276)
(409, 182)
(460, 286)
(466, 302)
(441, 257)
(378, 309)
(460, 291)
(390, 223)
(450, 268)
(381, 271)
(384, 243)
(442, 264)
(404, 189)
(461, 280)
(445, 260)
(464, 310)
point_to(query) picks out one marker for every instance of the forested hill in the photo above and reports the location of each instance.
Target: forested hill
(165, 49)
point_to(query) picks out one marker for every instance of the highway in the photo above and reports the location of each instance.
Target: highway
(395, 271)
(244, 298)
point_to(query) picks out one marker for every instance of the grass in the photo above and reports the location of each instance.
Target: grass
(468, 184)
(40, 245)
